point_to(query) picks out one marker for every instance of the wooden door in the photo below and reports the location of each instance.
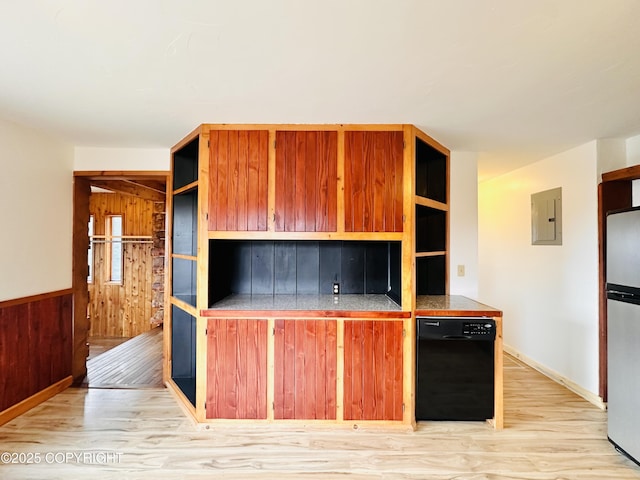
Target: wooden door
(373, 192)
(305, 369)
(373, 370)
(306, 181)
(122, 306)
(236, 368)
(238, 179)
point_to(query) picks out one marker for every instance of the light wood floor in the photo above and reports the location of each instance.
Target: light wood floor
(550, 433)
(133, 363)
(99, 345)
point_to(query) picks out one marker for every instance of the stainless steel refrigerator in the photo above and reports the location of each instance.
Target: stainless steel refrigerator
(623, 331)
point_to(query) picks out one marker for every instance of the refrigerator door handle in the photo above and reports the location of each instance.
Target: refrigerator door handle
(623, 297)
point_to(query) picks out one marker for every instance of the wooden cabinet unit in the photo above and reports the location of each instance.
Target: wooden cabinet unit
(373, 187)
(373, 370)
(236, 368)
(238, 180)
(305, 360)
(306, 181)
(296, 254)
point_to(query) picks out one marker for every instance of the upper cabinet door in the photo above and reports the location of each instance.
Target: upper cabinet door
(306, 181)
(238, 166)
(373, 181)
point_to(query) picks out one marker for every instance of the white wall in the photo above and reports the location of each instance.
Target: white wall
(549, 294)
(463, 224)
(97, 158)
(633, 158)
(36, 198)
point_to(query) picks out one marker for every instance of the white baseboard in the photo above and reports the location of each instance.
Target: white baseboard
(556, 377)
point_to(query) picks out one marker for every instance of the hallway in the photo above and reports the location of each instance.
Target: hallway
(136, 363)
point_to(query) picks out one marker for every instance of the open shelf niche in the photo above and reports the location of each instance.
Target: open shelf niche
(431, 218)
(184, 243)
(304, 267)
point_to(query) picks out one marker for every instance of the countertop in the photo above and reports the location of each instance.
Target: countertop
(453, 305)
(316, 305)
(363, 306)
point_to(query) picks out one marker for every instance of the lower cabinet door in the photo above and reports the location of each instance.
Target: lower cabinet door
(236, 368)
(305, 369)
(373, 370)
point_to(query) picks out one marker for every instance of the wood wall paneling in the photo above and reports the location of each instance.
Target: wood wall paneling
(35, 346)
(305, 369)
(373, 388)
(306, 181)
(122, 310)
(373, 186)
(238, 166)
(236, 369)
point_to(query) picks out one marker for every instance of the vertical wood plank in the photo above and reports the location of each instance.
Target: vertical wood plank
(321, 407)
(214, 147)
(290, 175)
(280, 367)
(299, 388)
(261, 362)
(368, 144)
(222, 188)
(331, 368)
(300, 184)
(242, 367)
(341, 173)
(379, 176)
(330, 186)
(312, 180)
(397, 174)
(310, 364)
(243, 180)
(289, 371)
(370, 374)
(383, 369)
(254, 180)
(263, 179)
(347, 383)
(232, 181)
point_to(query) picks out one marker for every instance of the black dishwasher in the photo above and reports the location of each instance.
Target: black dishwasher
(455, 368)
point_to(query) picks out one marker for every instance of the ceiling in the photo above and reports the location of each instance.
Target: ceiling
(515, 80)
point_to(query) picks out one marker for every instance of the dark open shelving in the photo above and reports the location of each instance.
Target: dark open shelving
(183, 352)
(431, 218)
(431, 275)
(431, 172)
(185, 223)
(185, 164)
(431, 229)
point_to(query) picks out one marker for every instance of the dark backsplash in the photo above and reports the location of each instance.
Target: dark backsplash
(304, 267)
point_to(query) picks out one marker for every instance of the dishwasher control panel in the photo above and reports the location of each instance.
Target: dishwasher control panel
(456, 328)
(479, 328)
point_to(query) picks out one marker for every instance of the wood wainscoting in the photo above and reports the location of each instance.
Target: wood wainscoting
(36, 339)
